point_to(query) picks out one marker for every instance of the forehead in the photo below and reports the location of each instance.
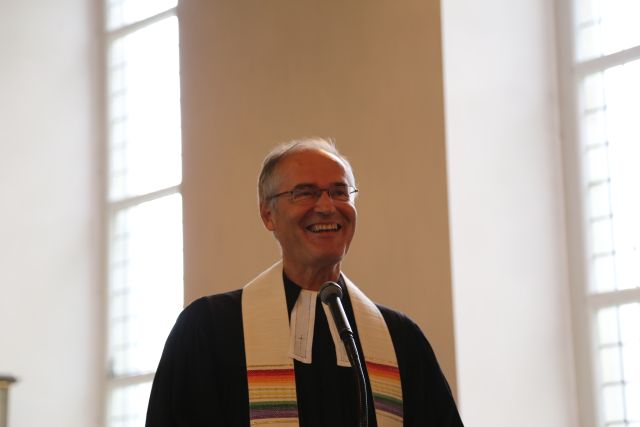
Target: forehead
(311, 167)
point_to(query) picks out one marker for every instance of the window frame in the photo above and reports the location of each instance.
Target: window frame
(110, 208)
(584, 303)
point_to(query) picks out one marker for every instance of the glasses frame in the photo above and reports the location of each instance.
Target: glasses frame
(318, 193)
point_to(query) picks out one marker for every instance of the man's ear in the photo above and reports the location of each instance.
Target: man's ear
(266, 213)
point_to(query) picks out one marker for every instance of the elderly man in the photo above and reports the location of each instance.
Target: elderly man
(267, 353)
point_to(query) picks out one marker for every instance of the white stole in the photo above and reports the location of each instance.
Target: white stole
(269, 344)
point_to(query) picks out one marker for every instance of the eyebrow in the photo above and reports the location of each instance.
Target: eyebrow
(309, 185)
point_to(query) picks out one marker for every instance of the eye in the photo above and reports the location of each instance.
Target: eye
(303, 193)
(340, 192)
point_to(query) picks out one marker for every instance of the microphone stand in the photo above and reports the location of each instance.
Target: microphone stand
(331, 294)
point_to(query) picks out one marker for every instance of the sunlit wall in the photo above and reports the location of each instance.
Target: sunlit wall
(370, 75)
(50, 299)
(511, 291)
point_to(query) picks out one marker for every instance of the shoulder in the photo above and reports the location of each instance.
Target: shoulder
(208, 329)
(408, 339)
(399, 323)
(206, 314)
(392, 315)
(224, 302)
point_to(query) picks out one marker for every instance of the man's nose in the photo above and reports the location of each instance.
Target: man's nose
(325, 202)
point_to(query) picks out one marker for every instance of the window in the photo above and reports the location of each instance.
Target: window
(604, 97)
(143, 201)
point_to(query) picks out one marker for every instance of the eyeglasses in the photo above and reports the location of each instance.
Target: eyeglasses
(311, 194)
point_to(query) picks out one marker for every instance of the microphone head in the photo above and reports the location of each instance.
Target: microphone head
(328, 290)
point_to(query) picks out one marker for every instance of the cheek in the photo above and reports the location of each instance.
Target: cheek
(350, 213)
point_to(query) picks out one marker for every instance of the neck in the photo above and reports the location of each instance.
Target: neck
(311, 278)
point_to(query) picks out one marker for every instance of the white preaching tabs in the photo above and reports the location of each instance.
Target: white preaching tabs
(303, 317)
(301, 328)
(341, 352)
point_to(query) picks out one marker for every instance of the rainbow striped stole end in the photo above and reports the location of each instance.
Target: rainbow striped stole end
(269, 376)
(272, 395)
(387, 389)
(274, 410)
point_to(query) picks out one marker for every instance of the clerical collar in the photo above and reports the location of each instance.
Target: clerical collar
(292, 290)
(301, 306)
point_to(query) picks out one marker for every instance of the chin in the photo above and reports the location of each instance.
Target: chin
(330, 259)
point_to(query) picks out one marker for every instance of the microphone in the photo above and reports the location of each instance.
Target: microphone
(331, 295)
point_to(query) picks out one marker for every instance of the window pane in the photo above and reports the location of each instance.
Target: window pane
(124, 12)
(604, 274)
(631, 364)
(145, 287)
(619, 359)
(607, 321)
(611, 371)
(601, 236)
(593, 93)
(613, 398)
(599, 200)
(598, 163)
(606, 26)
(622, 88)
(595, 129)
(630, 324)
(632, 396)
(144, 111)
(128, 405)
(612, 169)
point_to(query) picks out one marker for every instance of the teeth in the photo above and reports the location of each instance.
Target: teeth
(323, 227)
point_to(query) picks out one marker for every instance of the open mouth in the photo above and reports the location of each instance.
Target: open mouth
(324, 228)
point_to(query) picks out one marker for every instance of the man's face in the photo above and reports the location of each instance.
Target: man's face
(317, 234)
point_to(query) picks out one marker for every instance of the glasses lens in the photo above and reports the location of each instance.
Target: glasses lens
(305, 194)
(341, 193)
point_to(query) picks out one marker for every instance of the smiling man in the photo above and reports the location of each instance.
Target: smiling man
(314, 219)
(267, 354)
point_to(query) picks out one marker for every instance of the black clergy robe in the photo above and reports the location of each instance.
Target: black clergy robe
(202, 377)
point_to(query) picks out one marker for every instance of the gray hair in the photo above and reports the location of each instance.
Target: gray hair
(267, 181)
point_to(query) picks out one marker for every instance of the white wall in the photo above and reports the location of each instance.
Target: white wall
(49, 225)
(368, 74)
(511, 298)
